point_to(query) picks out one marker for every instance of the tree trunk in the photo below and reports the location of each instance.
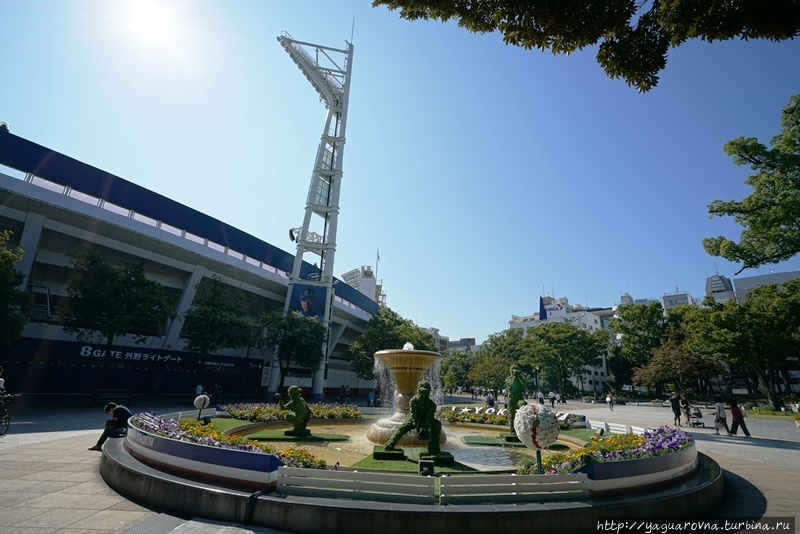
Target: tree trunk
(763, 379)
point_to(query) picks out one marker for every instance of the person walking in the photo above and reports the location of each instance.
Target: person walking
(685, 407)
(540, 396)
(675, 404)
(552, 396)
(610, 401)
(719, 417)
(737, 418)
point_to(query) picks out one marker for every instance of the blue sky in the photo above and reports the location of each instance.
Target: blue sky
(486, 175)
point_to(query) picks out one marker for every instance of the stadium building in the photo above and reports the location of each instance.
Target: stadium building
(53, 203)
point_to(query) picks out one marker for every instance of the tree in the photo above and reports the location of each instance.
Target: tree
(491, 371)
(14, 302)
(639, 329)
(770, 215)
(385, 330)
(214, 322)
(634, 38)
(674, 360)
(455, 368)
(761, 332)
(564, 351)
(296, 339)
(108, 301)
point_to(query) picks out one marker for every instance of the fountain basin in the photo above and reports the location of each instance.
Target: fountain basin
(407, 367)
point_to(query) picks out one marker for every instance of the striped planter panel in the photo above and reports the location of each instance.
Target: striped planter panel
(244, 468)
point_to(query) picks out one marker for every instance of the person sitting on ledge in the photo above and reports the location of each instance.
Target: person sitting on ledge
(421, 417)
(299, 414)
(119, 419)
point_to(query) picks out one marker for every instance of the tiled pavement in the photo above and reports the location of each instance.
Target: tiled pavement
(49, 481)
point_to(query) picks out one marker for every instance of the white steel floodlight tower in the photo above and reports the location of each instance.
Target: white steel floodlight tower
(328, 70)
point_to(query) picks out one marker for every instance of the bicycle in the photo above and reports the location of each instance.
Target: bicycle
(5, 417)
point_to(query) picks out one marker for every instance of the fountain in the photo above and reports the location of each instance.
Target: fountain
(407, 367)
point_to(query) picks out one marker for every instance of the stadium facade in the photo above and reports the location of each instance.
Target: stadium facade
(53, 203)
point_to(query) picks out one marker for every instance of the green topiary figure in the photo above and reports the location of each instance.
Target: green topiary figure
(515, 385)
(422, 418)
(299, 414)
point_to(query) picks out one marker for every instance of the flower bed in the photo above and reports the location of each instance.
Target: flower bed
(625, 461)
(265, 413)
(189, 447)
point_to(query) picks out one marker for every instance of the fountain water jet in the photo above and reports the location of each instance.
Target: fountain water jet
(407, 366)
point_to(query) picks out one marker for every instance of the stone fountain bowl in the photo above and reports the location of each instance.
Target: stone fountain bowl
(407, 367)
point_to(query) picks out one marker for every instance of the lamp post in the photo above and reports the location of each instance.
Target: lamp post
(537, 381)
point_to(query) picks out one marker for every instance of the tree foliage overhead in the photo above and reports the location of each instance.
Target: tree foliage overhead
(214, 322)
(770, 215)
(14, 301)
(385, 330)
(634, 36)
(296, 339)
(108, 301)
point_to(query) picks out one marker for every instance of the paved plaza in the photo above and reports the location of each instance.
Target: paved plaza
(50, 482)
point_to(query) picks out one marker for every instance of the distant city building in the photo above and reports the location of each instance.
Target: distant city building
(464, 344)
(590, 319)
(439, 340)
(674, 300)
(746, 284)
(720, 287)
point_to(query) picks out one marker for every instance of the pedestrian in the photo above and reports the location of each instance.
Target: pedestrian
(610, 401)
(340, 397)
(540, 396)
(489, 399)
(675, 404)
(719, 417)
(347, 394)
(737, 418)
(552, 396)
(685, 407)
(371, 398)
(119, 419)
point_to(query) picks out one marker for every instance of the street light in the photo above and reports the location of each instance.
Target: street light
(537, 379)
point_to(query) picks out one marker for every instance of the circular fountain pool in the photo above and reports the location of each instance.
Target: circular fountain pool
(348, 452)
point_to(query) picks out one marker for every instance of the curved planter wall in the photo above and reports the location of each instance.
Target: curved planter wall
(630, 475)
(244, 468)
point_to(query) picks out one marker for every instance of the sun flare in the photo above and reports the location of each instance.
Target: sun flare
(150, 22)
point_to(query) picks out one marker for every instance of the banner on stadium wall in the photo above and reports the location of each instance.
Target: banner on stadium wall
(308, 300)
(45, 351)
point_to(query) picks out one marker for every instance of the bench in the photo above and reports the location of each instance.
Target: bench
(358, 485)
(477, 489)
(112, 395)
